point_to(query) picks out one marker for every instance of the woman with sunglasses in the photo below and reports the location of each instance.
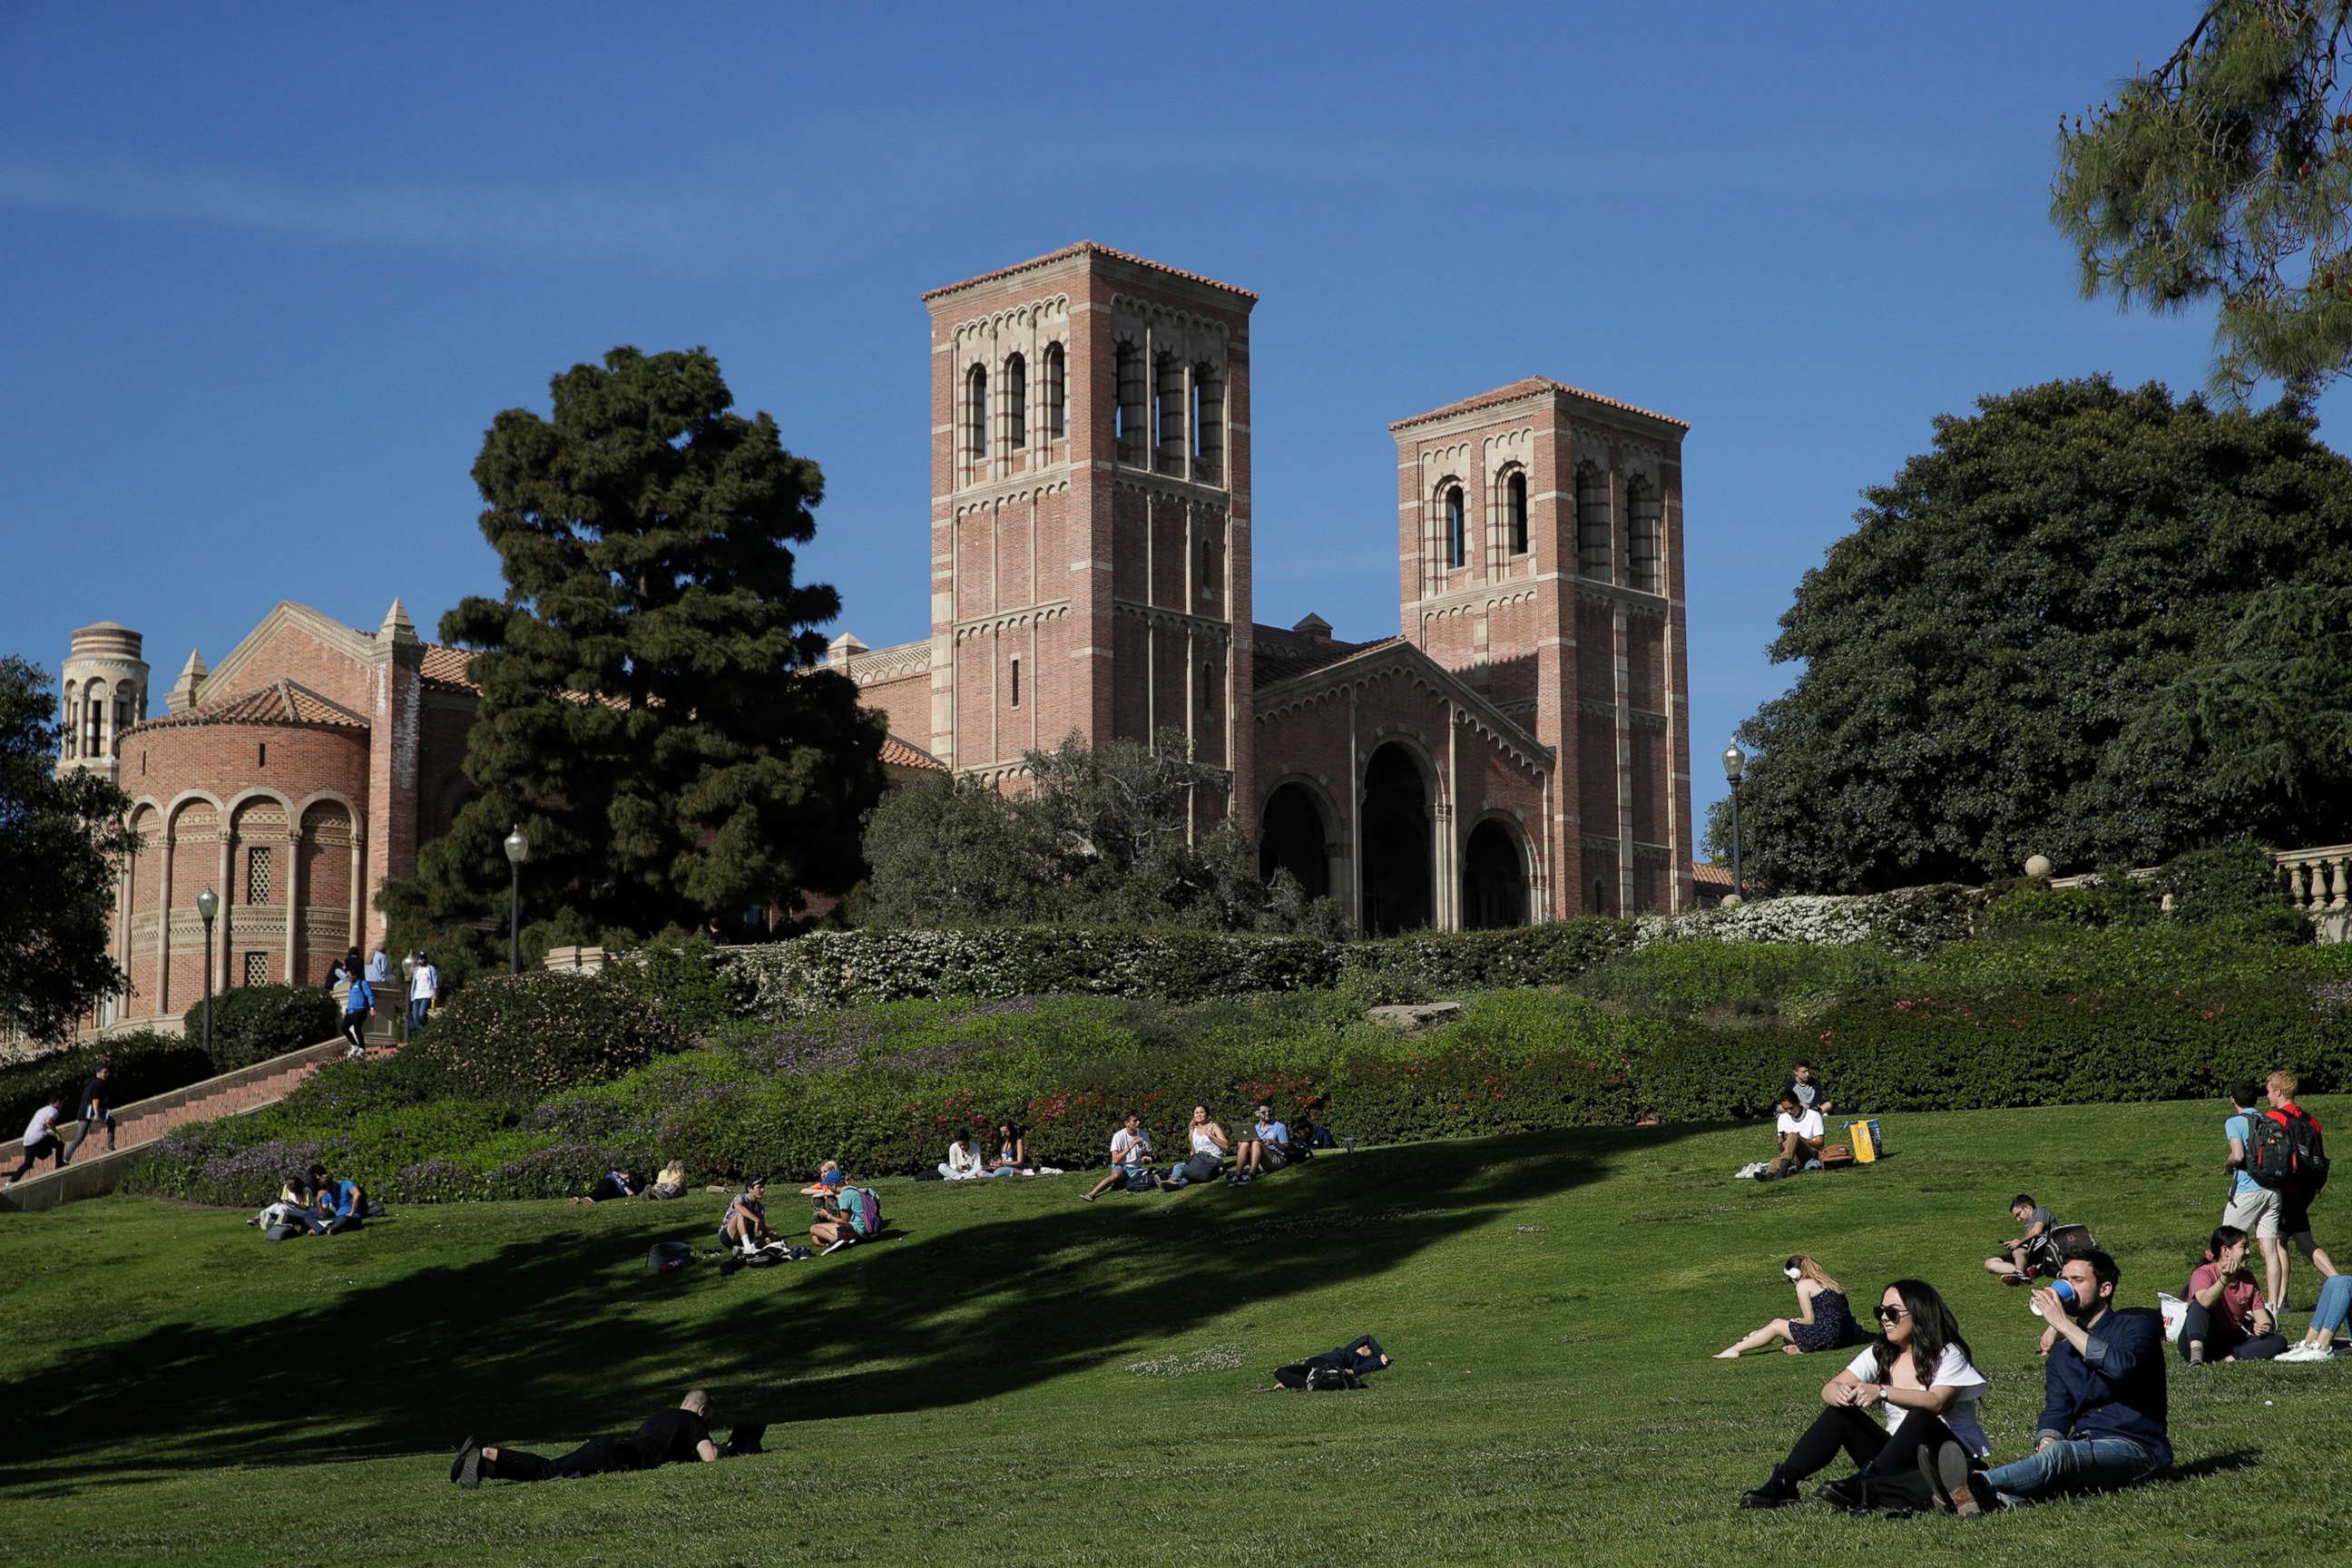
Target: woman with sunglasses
(1920, 1370)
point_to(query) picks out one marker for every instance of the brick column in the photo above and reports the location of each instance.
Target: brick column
(398, 692)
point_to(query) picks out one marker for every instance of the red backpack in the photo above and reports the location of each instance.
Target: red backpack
(2283, 1151)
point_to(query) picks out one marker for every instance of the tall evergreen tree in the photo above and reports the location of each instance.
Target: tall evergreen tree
(60, 840)
(2225, 174)
(2059, 632)
(649, 714)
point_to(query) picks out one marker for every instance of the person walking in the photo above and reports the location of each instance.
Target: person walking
(424, 994)
(97, 1109)
(2252, 1206)
(2301, 1187)
(359, 1007)
(41, 1138)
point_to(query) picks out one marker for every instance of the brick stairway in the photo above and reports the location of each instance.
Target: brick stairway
(95, 1170)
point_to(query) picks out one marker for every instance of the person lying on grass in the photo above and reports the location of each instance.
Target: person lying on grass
(2014, 1263)
(2228, 1320)
(1922, 1372)
(2103, 1424)
(1130, 1155)
(610, 1186)
(1824, 1320)
(2318, 1341)
(666, 1436)
(745, 1227)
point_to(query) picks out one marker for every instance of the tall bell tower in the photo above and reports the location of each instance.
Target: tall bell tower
(103, 693)
(1090, 512)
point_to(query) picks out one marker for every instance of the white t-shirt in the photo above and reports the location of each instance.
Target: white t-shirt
(1128, 1147)
(1806, 1125)
(424, 984)
(1204, 1144)
(38, 1128)
(1954, 1369)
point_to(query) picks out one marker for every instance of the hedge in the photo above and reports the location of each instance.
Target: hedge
(882, 1089)
(145, 1063)
(254, 1023)
(518, 1038)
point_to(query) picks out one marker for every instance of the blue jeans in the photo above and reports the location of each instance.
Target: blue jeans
(2073, 1464)
(418, 1007)
(2334, 1303)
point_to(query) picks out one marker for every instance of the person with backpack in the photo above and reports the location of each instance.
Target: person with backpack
(1210, 1147)
(2227, 1318)
(856, 1216)
(1131, 1159)
(359, 1007)
(2252, 1206)
(2295, 1161)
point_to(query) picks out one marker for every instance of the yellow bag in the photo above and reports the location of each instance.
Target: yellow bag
(1868, 1143)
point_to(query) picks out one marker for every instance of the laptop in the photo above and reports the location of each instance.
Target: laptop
(744, 1439)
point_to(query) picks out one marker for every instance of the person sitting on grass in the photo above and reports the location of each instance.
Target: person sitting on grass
(1801, 1135)
(343, 1203)
(666, 1436)
(1210, 1147)
(1130, 1155)
(1923, 1372)
(2103, 1424)
(610, 1186)
(1805, 1089)
(1824, 1320)
(2228, 1319)
(963, 1162)
(745, 1227)
(830, 1180)
(2014, 1263)
(1264, 1150)
(41, 1138)
(297, 1206)
(2318, 1341)
(1012, 1156)
(833, 1228)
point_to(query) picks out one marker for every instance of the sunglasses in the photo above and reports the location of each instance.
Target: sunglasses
(1892, 1314)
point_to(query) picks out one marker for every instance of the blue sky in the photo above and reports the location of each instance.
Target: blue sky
(267, 272)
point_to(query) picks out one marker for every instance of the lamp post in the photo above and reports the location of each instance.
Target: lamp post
(518, 851)
(407, 985)
(207, 906)
(1734, 763)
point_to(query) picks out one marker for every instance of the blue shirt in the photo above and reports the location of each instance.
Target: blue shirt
(344, 1195)
(1273, 1132)
(2116, 1391)
(2238, 1127)
(360, 999)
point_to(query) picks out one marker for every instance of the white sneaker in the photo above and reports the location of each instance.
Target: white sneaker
(2303, 1352)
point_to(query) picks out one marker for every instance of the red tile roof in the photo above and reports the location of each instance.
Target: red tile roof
(1710, 875)
(898, 753)
(279, 702)
(1085, 246)
(445, 666)
(1284, 659)
(1530, 386)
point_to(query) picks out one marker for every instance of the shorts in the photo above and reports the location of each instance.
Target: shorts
(2255, 1213)
(2295, 1214)
(1271, 1158)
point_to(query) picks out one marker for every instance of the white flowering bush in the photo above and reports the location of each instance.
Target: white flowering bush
(1914, 921)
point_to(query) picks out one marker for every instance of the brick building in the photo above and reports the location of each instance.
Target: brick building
(1521, 752)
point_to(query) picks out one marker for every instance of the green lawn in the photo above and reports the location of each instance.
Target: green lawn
(1016, 1376)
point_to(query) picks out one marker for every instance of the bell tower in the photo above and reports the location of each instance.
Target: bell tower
(1090, 512)
(103, 693)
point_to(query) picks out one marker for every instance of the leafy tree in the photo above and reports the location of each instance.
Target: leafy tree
(61, 840)
(2226, 172)
(1099, 838)
(645, 534)
(2005, 655)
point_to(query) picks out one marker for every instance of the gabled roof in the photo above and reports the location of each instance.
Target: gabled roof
(1532, 386)
(1365, 661)
(1280, 655)
(448, 667)
(285, 703)
(1083, 248)
(1708, 875)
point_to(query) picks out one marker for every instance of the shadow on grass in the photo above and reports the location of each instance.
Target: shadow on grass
(568, 1334)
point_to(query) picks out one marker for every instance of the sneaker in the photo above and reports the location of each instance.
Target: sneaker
(836, 1247)
(1812, 1164)
(2017, 1278)
(2303, 1352)
(467, 1471)
(1768, 1496)
(1352, 1145)
(1953, 1474)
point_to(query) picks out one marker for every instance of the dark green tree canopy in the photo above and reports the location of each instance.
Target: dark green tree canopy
(61, 840)
(2225, 174)
(1099, 838)
(646, 537)
(2037, 640)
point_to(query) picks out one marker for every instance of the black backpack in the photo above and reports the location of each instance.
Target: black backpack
(2283, 1153)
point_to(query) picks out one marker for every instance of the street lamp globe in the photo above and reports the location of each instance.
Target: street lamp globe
(518, 846)
(1734, 761)
(207, 905)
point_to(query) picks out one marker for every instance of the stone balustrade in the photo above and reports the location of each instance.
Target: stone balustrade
(2318, 881)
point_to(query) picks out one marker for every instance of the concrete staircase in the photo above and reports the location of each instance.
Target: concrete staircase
(95, 1171)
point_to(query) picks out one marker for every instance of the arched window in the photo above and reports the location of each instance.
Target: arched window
(1208, 692)
(977, 411)
(1515, 511)
(1016, 680)
(70, 723)
(1208, 566)
(1016, 403)
(1127, 408)
(93, 719)
(1057, 418)
(1208, 422)
(1642, 517)
(1457, 540)
(1592, 521)
(1168, 409)
(123, 716)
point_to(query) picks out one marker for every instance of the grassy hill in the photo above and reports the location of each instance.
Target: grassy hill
(1015, 1375)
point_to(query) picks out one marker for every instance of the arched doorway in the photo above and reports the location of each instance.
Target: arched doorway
(1291, 839)
(1396, 844)
(1494, 879)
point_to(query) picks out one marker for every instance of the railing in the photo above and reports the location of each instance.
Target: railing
(2316, 881)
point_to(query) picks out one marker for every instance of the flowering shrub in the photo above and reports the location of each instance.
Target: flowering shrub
(522, 1038)
(1913, 921)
